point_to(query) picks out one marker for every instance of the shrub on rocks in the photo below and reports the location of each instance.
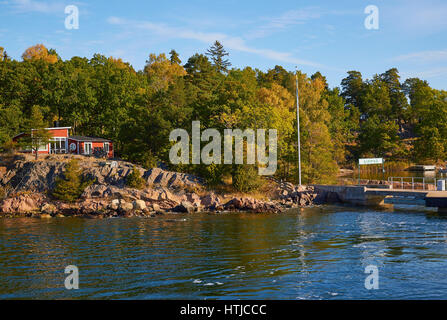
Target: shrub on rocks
(246, 178)
(134, 180)
(70, 187)
(212, 173)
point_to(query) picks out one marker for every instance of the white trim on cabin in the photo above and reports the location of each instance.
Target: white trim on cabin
(97, 141)
(56, 128)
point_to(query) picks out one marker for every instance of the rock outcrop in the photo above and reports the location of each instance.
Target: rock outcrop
(23, 204)
(185, 207)
(297, 196)
(40, 176)
(252, 205)
(108, 196)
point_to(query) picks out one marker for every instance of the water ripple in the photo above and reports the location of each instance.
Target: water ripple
(317, 253)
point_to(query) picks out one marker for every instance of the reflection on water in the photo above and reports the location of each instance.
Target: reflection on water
(315, 253)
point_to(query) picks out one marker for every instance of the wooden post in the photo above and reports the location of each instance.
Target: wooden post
(359, 173)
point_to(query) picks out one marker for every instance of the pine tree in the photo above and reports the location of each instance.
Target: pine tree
(174, 57)
(352, 89)
(39, 136)
(218, 54)
(134, 179)
(70, 187)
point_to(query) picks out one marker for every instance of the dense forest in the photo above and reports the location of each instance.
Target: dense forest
(104, 96)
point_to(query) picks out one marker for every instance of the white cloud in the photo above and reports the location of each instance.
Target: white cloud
(233, 43)
(417, 17)
(37, 6)
(424, 56)
(427, 74)
(297, 17)
(293, 17)
(284, 21)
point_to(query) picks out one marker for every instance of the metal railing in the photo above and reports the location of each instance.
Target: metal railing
(413, 183)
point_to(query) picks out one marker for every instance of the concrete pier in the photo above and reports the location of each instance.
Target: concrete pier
(422, 168)
(375, 196)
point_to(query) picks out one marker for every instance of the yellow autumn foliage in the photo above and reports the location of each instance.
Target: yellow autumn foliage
(38, 52)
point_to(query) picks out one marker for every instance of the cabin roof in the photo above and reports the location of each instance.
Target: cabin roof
(88, 139)
(18, 135)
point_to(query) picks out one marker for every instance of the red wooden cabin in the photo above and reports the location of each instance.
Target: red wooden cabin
(63, 143)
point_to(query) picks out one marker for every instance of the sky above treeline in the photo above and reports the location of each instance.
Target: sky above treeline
(318, 35)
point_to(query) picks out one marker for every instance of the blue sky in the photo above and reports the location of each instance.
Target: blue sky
(326, 36)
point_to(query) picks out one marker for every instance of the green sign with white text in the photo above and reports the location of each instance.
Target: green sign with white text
(371, 161)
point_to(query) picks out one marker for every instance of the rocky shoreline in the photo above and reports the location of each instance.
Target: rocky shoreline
(30, 182)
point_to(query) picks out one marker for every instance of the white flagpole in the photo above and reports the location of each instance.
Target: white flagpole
(298, 126)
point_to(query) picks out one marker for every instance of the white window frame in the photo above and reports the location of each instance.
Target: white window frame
(108, 147)
(91, 148)
(61, 141)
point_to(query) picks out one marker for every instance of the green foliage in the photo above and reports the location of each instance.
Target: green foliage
(341, 126)
(246, 178)
(213, 173)
(9, 147)
(431, 128)
(134, 179)
(387, 120)
(430, 144)
(352, 88)
(70, 186)
(378, 137)
(10, 120)
(319, 165)
(105, 97)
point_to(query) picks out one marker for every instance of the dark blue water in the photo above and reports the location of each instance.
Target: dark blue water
(317, 253)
